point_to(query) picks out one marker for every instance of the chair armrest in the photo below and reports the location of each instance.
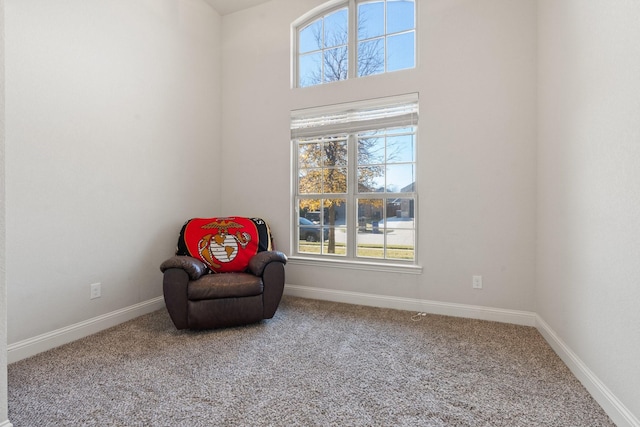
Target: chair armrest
(273, 280)
(174, 288)
(194, 267)
(260, 260)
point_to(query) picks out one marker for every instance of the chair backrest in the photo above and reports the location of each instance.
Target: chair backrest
(224, 244)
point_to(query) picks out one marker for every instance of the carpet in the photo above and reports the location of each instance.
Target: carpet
(316, 363)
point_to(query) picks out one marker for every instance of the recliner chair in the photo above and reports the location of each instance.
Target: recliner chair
(197, 298)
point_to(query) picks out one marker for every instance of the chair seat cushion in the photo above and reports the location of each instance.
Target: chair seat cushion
(224, 285)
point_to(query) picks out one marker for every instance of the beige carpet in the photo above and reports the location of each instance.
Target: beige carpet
(314, 364)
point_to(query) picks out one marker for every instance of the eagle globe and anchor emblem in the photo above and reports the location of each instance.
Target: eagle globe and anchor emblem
(222, 246)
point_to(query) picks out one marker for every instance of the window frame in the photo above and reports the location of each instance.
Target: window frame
(352, 194)
(352, 37)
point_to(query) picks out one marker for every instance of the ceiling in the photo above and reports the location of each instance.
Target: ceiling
(225, 7)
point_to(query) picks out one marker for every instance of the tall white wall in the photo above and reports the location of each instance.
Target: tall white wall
(112, 119)
(3, 283)
(477, 83)
(589, 185)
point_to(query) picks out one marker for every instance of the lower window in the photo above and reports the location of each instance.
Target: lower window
(355, 181)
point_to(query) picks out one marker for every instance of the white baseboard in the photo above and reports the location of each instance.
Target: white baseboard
(32, 346)
(619, 413)
(6, 424)
(516, 317)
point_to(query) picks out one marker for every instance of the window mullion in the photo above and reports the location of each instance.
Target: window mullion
(384, 39)
(353, 43)
(322, 52)
(352, 206)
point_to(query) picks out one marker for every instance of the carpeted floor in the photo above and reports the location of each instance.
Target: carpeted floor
(315, 363)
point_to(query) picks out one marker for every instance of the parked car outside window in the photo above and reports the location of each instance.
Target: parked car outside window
(311, 232)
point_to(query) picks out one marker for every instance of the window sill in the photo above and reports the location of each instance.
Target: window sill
(356, 265)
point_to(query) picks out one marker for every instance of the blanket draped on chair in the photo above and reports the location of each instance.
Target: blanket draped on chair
(224, 244)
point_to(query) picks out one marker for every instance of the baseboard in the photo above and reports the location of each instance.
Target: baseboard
(32, 346)
(6, 424)
(620, 415)
(516, 317)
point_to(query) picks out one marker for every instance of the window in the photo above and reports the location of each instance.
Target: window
(323, 47)
(355, 180)
(355, 39)
(386, 36)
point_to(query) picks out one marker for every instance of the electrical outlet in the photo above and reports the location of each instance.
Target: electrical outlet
(96, 291)
(477, 282)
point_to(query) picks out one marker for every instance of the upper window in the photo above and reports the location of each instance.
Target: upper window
(358, 38)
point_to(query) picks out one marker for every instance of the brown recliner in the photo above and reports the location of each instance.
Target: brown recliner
(198, 300)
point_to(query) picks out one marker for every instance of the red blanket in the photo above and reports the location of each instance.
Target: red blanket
(224, 244)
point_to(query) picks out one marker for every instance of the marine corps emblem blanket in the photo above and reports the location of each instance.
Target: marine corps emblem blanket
(224, 244)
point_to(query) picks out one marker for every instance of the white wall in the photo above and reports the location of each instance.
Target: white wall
(3, 284)
(112, 119)
(589, 185)
(477, 84)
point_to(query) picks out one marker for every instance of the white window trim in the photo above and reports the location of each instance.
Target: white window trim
(349, 264)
